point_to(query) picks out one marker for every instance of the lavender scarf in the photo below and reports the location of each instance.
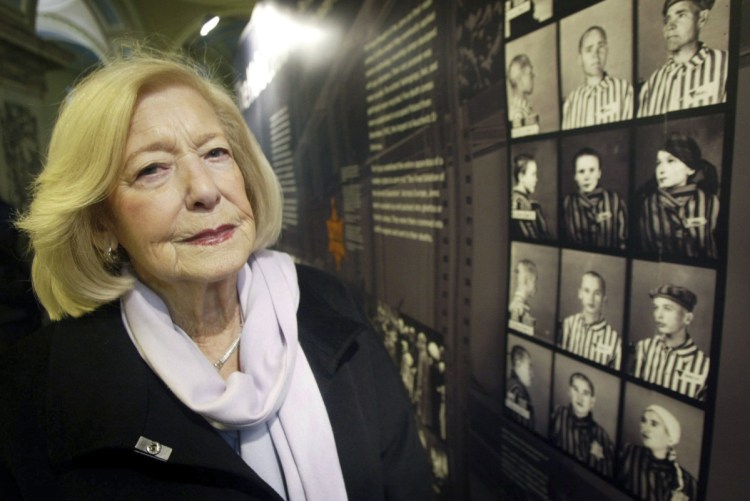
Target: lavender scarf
(274, 396)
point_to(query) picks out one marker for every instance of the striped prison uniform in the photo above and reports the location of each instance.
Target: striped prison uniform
(611, 100)
(518, 401)
(527, 219)
(598, 219)
(652, 479)
(584, 439)
(598, 342)
(701, 81)
(679, 222)
(683, 369)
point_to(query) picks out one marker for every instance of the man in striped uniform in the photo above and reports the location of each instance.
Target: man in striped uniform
(602, 98)
(594, 216)
(680, 217)
(575, 431)
(517, 397)
(588, 334)
(671, 358)
(694, 75)
(527, 219)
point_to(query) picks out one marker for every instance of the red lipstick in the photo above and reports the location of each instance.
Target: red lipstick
(212, 236)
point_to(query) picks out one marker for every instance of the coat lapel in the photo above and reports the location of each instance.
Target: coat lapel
(103, 396)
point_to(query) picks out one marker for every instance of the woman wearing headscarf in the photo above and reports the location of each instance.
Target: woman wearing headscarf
(679, 217)
(651, 471)
(184, 360)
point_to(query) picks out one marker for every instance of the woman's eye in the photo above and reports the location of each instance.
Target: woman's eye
(149, 170)
(217, 153)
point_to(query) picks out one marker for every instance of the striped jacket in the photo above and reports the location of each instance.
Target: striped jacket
(527, 219)
(683, 369)
(598, 342)
(518, 402)
(611, 100)
(679, 222)
(598, 219)
(701, 81)
(584, 439)
(651, 479)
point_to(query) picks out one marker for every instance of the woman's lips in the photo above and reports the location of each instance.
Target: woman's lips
(212, 236)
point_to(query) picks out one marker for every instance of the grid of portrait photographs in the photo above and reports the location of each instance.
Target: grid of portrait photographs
(418, 353)
(617, 117)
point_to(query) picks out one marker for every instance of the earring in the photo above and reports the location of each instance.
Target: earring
(111, 255)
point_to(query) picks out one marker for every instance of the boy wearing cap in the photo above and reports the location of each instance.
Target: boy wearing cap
(694, 75)
(594, 216)
(671, 358)
(587, 333)
(517, 397)
(601, 98)
(680, 216)
(651, 471)
(575, 431)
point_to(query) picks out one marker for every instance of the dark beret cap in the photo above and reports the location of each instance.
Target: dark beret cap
(680, 295)
(702, 4)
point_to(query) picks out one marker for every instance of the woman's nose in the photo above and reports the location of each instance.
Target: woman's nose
(201, 191)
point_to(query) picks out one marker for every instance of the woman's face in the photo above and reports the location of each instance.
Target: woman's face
(671, 172)
(180, 208)
(654, 433)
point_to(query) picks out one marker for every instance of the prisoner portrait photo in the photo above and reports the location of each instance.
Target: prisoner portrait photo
(532, 293)
(531, 70)
(591, 306)
(597, 65)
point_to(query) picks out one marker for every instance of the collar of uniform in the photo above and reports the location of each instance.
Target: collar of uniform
(103, 396)
(696, 60)
(597, 324)
(687, 346)
(679, 195)
(580, 422)
(592, 197)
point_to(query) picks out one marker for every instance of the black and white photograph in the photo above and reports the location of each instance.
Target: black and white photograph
(677, 174)
(596, 45)
(682, 58)
(592, 302)
(584, 416)
(419, 354)
(523, 16)
(660, 456)
(527, 383)
(533, 199)
(595, 187)
(531, 70)
(533, 172)
(479, 45)
(533, 290)
(671, 319)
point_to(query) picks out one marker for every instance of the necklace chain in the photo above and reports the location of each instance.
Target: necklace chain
(233, 347)
(223, 360)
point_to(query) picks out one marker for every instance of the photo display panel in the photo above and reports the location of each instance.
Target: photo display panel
(617, 118)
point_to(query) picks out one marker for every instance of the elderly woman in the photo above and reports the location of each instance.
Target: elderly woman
(679, 217)
(651, 471)
(184, 360)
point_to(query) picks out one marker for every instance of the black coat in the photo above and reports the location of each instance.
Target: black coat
(76, 397)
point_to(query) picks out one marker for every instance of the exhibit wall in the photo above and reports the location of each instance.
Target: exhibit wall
(530, 199)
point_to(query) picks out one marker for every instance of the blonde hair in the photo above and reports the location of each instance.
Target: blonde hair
(71, 272)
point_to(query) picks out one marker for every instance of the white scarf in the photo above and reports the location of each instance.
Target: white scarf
(276, 380)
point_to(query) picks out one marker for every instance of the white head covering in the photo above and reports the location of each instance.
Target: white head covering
(670, 422)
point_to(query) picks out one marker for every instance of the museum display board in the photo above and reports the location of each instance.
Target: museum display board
(530, 200)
